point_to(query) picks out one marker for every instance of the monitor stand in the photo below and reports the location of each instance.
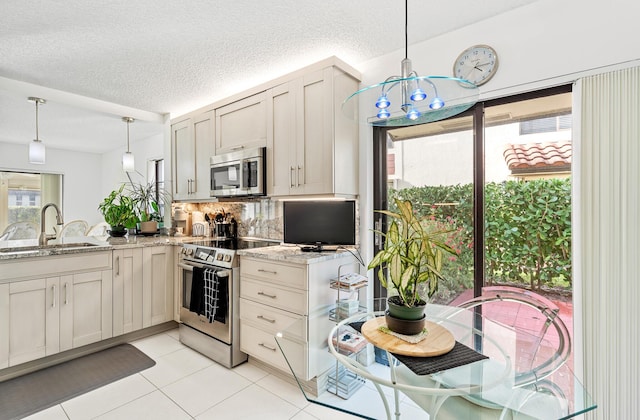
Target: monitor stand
(314, 248)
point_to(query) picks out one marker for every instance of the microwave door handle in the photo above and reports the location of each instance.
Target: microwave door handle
(245, 174)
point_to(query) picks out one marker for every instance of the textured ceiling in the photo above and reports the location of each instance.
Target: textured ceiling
(172, 56)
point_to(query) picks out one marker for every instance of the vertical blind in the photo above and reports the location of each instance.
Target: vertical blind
(609, 232)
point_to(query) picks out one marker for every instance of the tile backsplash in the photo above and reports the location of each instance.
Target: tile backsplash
(256, 218)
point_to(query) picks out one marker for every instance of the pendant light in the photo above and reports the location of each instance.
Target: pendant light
(36, 147)
(409, 99)
(128, 162)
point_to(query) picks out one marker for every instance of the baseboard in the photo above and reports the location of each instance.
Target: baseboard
(312, 388)
(54, 359)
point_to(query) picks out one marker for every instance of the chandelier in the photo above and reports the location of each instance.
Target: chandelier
(410, 99)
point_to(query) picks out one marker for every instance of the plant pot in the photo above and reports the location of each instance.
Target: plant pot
(400, 311)
(149, 227)
(117, 231)
(405, 326)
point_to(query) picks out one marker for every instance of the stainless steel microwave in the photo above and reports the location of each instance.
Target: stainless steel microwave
(240, 173)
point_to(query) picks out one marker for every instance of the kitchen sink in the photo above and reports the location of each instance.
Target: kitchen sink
(36, 248)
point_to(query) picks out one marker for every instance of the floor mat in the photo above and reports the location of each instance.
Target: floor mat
(28, 394)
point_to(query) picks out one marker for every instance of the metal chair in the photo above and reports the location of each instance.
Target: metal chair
(99, 229)
(72, 229)
(545, 343)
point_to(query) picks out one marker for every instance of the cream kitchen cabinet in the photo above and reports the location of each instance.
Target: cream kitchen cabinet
(54, 304)
(241, 124)
(313, 146)
(157, 285)
(127, 290)
(295, 297)
(192, 145)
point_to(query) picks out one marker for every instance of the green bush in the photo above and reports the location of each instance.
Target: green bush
(527, 231)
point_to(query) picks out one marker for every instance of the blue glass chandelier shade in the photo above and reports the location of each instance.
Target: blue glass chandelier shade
(398, 101)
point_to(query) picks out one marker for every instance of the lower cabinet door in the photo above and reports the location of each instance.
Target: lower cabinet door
(31, 325)
(263, 346)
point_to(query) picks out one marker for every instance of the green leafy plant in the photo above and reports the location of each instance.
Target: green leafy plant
(118, 209)
(412, 255)
(145, 202)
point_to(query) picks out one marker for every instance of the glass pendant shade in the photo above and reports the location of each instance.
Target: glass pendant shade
(128, 162)
(36, 147)
(410, 99)
(37, 152)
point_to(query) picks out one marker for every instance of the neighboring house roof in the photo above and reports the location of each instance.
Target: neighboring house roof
(538, 157)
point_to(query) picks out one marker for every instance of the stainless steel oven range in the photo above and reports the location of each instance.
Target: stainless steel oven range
(209, 297)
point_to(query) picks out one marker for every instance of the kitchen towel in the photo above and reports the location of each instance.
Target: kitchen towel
(211, 294)
(196, 304)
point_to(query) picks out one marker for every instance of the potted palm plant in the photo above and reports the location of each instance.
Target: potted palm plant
(410, 263)
(145, 198)
(119, 212)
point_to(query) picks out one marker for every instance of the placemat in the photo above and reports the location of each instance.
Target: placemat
(460, 355)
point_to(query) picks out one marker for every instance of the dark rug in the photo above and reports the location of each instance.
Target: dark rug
(36, 391)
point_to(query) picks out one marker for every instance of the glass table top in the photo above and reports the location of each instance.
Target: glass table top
(373, 383)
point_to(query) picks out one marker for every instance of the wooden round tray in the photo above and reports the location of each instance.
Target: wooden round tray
(438, 342)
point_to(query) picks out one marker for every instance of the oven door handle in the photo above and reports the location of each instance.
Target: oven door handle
(189, 267)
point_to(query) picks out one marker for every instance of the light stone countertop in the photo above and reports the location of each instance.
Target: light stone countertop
(293, 254)
(12, 250)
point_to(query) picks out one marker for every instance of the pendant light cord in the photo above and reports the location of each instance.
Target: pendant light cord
(128, 137)
(406, 30)
(37, 137)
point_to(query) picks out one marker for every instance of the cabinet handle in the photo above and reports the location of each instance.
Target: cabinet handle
(291, 176)
(53, 296)
(266, 347)
(298, 177)
(65, 293)
(272, 321)
(261, 270)
(118, 265)
(237, 148)
(266, 295)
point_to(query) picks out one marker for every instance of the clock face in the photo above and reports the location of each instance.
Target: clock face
(476, 64)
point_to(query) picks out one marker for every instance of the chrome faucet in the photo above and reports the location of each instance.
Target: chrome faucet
(44, 237)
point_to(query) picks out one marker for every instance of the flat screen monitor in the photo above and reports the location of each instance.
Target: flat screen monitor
(318, 223)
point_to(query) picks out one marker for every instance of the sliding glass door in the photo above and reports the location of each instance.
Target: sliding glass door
(497, 180)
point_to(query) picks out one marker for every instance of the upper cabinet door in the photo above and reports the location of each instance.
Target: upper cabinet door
(312, 149)
(281, 138)
(203, 132)
(192, 143)
(241, 124)
(183, 153)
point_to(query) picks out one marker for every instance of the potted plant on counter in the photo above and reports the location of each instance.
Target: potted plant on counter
(145, 199)
(410, 265)
(118, 211)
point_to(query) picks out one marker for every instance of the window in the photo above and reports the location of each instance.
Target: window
(23, 194)
(476, 175)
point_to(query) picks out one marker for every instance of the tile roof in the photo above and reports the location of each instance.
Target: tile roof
(534, 157)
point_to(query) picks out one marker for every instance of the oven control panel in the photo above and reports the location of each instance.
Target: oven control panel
(210, 256)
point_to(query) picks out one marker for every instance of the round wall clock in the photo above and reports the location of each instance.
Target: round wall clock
(476, 64)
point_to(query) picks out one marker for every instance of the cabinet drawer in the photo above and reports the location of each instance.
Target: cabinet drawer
(273, 320)
(262, 345)
(288, 275)
(280, 297)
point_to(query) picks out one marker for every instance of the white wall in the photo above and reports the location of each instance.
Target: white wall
(81, 171)
(88, 177)
(143, 150)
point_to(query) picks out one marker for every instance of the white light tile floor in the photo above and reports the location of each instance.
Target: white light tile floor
(186, 385)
